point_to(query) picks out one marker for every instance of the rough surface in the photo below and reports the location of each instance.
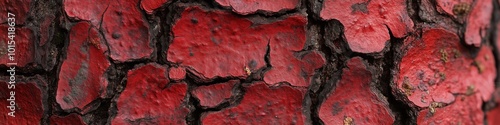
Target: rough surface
(367, 23)
(73, 119)
(122, 23)
(222, 40)
(305, 62)
(466, 110)
(354, 98)
(150, 5)
(28, 103)
(19, 8)
(150, 99)
(290, 68)
(446, 6)
(436, 67)
(245, 7)
(262, 104)
(478, 22)
(214, 95)
(493, 115)
(91, 10)
(82, 79)
(177, 73)
(237, 47)
(24, 46)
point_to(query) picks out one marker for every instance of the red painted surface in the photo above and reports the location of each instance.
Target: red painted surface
(228, 42)
(493, 115)
(149, 98)
(234, 44)
(72, 119)
(150, 5)
(28, 101)
(19, 8)
(438, 66)
(263, 104)
(126, 31)
(287, 67)
(82, 79)
(245, 7)
(218, 43)
(353, 97)
(477, 16)
(123, 26)
(466, 110)
(24, 47)
(91, 10)
(273, 47)
(214, 95)
(367, 22)
(478, 22)
(177, 73)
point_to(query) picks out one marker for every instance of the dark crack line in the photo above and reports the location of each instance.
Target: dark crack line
(495, 20)
(61, 42)
(493, 31)
(101, 33)
(167, 18)
(332, 44)
(194, 116)
(404, 113)
(117, 76)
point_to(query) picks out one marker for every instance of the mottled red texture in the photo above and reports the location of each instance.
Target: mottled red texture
(438, 66)
(177, 73)
(245, 7)
(466, 110)
(82, 79)
(214, 95)
(19, 8)
(230, 45)
(287, 67)
(218, 43)
(277, 62)
(478, 22)
(150, 5)
(123, 25)
(24, 46)
(354, 97)
(263, 104)
(150, 99)
(28, 99)
(493, 115)
(367, 22)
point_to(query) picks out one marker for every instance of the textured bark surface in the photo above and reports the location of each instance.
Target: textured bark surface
(304, 62)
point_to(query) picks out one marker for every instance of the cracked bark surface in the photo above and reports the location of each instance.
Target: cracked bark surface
(305, 62)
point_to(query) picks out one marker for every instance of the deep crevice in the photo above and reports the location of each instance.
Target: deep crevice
(404, 113)
(194, 116)
(59, 42)
(413, 8)
(331, 44)
(117, 77)
(495, 20)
